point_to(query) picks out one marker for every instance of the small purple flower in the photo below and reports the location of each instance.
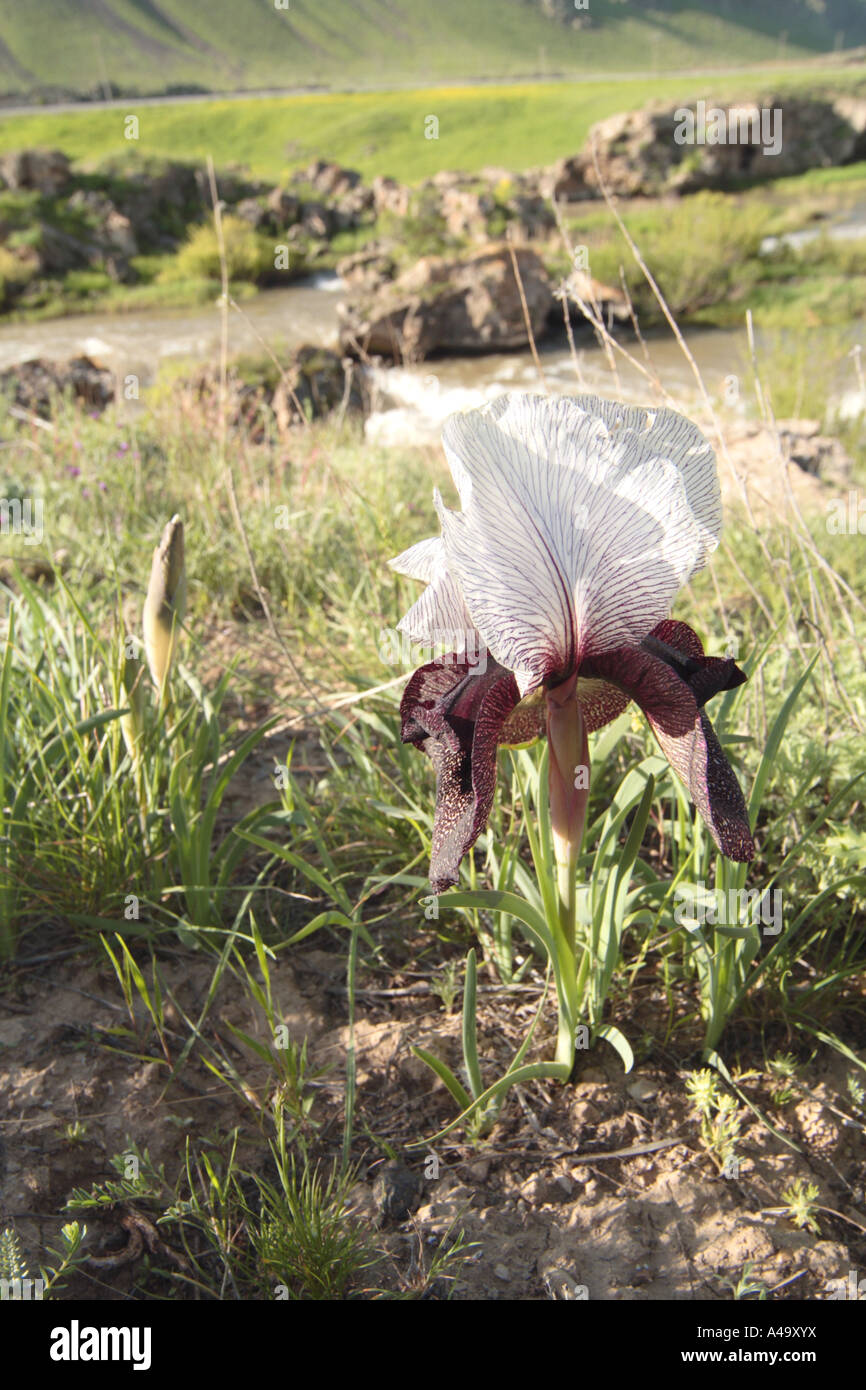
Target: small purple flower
(122, 449)
(73, 471)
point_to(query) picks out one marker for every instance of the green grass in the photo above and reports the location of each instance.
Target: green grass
(345, 850)
(383, 132)
(237, 44)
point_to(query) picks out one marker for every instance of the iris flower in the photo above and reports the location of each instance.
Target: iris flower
(581, 519)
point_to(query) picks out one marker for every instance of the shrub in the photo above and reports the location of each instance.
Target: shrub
(248, 256)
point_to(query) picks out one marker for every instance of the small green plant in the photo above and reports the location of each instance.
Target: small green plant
(719, 1116)
(801, 1202)
(138, 1180)
(746, 1285)
(445, 985)
(783, 1071)
(856, 1092)
(16, 1279)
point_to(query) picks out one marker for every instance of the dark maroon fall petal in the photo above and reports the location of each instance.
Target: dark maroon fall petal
(456, 714)
(672, 706)
(680, 647)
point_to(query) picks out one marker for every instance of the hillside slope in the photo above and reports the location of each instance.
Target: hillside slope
(150, 46)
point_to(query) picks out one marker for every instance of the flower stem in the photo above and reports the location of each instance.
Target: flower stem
(568, 774)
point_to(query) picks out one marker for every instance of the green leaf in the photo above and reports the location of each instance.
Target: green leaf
(617, 1041)
(444, 1072)
(470, 1034)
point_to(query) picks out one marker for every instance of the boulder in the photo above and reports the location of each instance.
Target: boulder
(47, 171)
(606, 300)
(658, 150)
(60, 251)
(317, 221)
(350, 209)
(390, 196)
(367, 270)
(466, 212)
(330, 180)
(252, 211)
(317, 382)
(565, 181)
(819, 471)
(112, 229)
(35, 385)
(443, 305)
(284, 207)
(531, 215)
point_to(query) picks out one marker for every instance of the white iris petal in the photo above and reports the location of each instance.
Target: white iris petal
(440, 610)
(581, 520)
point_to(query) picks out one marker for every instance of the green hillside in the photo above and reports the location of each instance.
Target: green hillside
(149, 46)
(517, 126)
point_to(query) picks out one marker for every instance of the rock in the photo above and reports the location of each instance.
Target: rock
(466, 213)
(396, 1191)
(821, 455)
(479, 1170)
(316, 382)
(251, 210)
(317, 221)
(642, 1089)
(160, 198)
(45, 170)
(607, 300)
(542, 1190)
(367, 270)
(390, 196)
(284, 207)
(34, 385)
(643, 152)
(60, 251)
(821, 466)
(565, 181)
(441, 305)
(530, 214)
(113, 230)
(584, 1113)
(349, 209)
(330, 179)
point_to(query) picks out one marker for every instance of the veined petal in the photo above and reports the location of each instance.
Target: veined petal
(673, 437)
(687, 740)
(421, 561)
(577, 530)
(457, 715)
(440, 610)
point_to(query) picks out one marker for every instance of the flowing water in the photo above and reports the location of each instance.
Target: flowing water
(410, 402)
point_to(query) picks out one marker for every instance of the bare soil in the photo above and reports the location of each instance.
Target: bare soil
(600, 1189)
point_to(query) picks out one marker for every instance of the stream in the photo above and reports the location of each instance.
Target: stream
(409, 403)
